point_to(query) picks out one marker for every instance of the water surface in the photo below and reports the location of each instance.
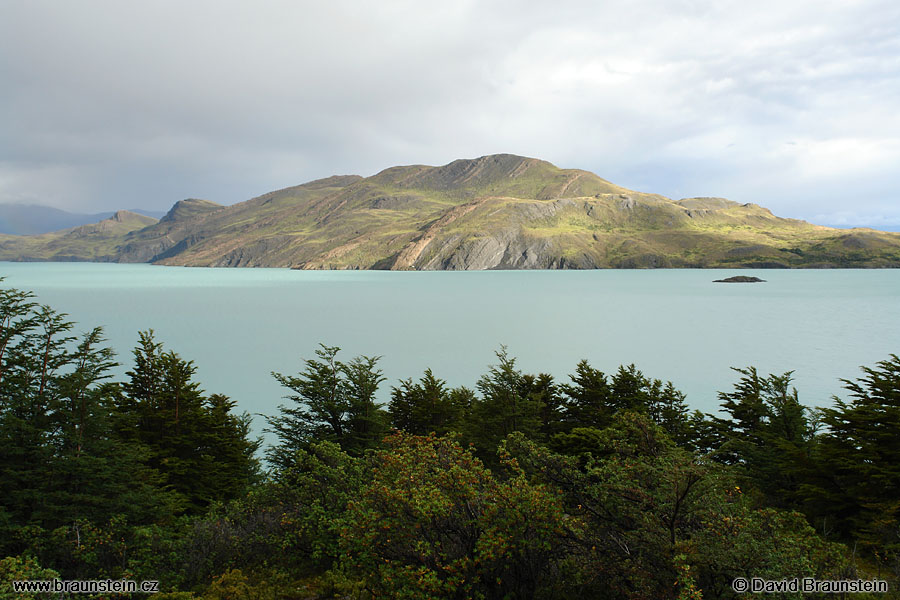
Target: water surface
(238, 325)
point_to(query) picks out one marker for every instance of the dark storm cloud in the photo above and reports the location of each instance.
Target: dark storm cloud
(790, 105)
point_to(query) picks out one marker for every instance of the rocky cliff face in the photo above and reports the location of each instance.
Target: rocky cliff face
(173, 234)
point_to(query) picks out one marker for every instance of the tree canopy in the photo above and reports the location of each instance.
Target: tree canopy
(521, 486)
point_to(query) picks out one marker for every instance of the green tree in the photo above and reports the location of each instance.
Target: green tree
(435, 523)
(543, 391)
(28, 408)
(646, 514)
(366, 419)
(630, 390)
(62, 466)
(505, 406)
(427, 406)
(289, 526)
(859, 456)
(668, 409)
(23, 568)
(769, 435)
(593, 400)
(332, 401)
(202, 450)
(588, 398)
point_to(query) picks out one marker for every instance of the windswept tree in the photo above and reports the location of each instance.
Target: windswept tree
(769, 435)
(859, 484)
(332, 401)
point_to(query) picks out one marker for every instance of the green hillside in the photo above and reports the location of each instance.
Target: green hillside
(494, 212)
(98, 242)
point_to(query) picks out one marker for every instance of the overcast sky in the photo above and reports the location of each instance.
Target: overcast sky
(791, 104)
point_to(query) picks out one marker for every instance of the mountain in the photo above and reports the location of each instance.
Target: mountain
(31, 219)
(494, 212)
(98, 242)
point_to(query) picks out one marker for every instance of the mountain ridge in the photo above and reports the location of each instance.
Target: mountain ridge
(499, 211)
(35, 219)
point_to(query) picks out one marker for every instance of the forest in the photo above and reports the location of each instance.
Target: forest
(605, 485)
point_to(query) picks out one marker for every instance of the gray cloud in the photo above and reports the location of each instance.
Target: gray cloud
(790, 105)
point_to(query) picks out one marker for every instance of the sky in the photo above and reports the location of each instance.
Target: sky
(791, 104)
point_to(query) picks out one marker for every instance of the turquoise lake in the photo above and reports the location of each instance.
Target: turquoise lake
(238, 325)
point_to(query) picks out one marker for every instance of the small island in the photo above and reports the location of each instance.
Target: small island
(740, 279)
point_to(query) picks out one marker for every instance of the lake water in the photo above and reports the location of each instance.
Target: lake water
(238, 325)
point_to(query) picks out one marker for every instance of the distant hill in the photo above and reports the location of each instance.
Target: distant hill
(31, 219)
(494, 212)
(879, 228)
(97, 242)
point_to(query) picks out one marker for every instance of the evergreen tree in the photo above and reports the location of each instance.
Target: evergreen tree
(228, 449)
(89, 460)
(593, 400)
(333, 401)
(742, 433)
(26, 412)
(542, 390)
(859, 484)
(367, 422)
(588, 398)
(426, 407)
(60, 461)
(630, 390)
(769, 435)
(504, 407)
(194, 441)
(669, 410)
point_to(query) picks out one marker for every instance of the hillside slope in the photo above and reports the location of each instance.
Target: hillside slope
(98, 242)
(494, 212)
